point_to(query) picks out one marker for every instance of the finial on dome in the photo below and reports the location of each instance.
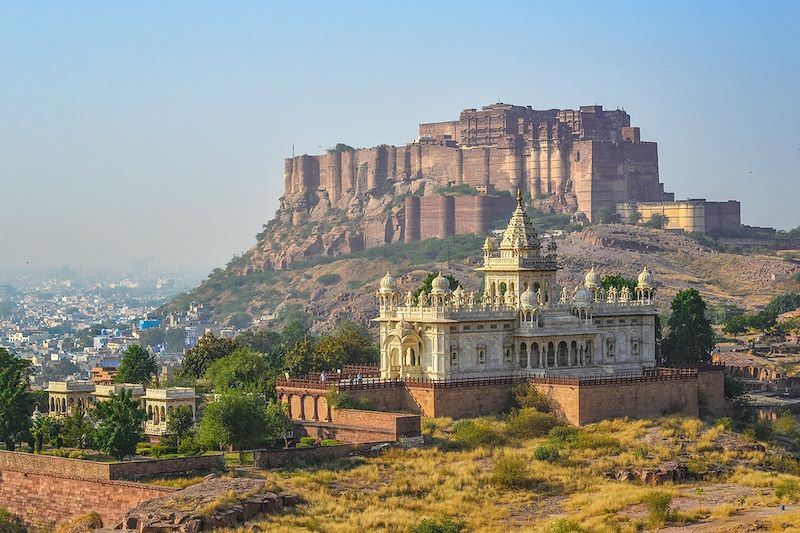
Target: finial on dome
(519, 197)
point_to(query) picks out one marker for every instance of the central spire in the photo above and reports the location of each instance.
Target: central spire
(520, 234)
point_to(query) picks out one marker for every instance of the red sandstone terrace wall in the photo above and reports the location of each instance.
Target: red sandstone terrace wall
(44, 500)
(45, 490)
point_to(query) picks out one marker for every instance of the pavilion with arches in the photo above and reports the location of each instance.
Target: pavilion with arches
(522, 322)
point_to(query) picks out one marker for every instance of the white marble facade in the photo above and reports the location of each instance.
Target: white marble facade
(524, 322)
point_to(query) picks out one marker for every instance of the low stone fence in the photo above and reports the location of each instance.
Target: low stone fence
(175, 465)
(49, 465)
(282, 457)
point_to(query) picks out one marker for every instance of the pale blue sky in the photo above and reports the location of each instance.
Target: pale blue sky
(136, 129)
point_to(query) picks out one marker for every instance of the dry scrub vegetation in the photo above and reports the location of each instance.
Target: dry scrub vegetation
(526, 472)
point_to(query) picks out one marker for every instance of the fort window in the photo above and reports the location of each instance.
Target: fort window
(597, 322)
(493, 326)
(621, 320)
(635, 347)
(479, 326)
(467, 328)
(454, 357)
(577, 156)
(634, 320)
(610, 347)
(523, 355)
(506, 326)
(481, 355)
(609, 321)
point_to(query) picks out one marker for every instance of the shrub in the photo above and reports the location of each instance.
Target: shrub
(442, 525)
(77, 454)
(329, 442)
(562, 435)
(10, 523)
(547, 452)
(640, 452)
(87, 522)
(511, 471)
(529, 423)
(473, 433)
(528, 396)
(725, 423)
(329, 279)
(788, 488)
(657, 503)
(307, 441)
(564, 525)
(593, 441)
(190, 446)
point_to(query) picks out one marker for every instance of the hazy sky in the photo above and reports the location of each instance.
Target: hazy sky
(144, 129)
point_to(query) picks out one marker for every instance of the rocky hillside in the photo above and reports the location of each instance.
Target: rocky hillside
(343, 287)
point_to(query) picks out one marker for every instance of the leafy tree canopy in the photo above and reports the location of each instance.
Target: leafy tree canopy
(348, 344)
(208, 349)
(14, 399)
(137, 366)
(242, 369)
(180, 422)
(119, 425)
(237, 420)
(618, 281)
(690, 338)
(427, 284)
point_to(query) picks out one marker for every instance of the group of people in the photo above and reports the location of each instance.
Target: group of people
(357, 379)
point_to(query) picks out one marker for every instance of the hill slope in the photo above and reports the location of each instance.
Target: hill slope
(344, 286)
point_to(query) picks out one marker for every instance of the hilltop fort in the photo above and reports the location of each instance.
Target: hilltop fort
(461, 176)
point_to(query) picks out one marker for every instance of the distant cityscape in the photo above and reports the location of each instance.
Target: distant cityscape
(76, 326)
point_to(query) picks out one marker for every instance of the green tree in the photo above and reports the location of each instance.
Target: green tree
(243, 369)
(46, 431)
(237, 420)
(348, 344)
(137, 366)
(299, 358)
(618, 281)
(658, 221)
(278, 423)
(15, 421)
(207, 350)
(427, 283)
(76, 430)
(736, 325)
(180, 422)
(119, 425)
(690, 338)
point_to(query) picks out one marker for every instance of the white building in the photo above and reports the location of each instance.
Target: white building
(524, 322)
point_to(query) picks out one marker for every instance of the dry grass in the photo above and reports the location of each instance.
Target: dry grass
(473, 481)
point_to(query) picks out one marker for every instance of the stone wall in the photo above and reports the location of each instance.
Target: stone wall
(637, 400)
(280, 458)
(156, 467)
(579, 401)
(45, 491)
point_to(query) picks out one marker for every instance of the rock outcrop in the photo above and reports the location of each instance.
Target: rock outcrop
(215, 503)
